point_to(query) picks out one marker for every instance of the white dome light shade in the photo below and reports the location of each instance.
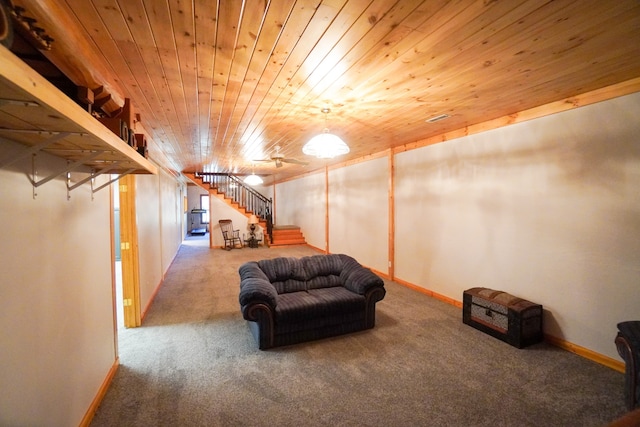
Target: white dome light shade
(325, 146)
(253, 179)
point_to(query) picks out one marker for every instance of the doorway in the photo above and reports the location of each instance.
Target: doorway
(125, 237)
(117, 257)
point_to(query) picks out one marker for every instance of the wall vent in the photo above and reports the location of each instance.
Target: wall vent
(437, 118)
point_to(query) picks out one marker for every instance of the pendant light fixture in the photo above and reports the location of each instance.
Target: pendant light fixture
(326, 145)
(253, 179)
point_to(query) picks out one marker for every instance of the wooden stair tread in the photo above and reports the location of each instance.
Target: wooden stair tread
(287, 235)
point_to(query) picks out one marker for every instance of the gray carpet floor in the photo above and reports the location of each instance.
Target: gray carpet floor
(194, 363)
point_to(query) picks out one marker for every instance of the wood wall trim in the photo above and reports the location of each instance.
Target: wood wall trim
(114, 282)
(625, 88)
(430, 293)
(621, 89)
(391, 264)
(130, 257)
(586, 353)
(558, 342)
(102, 391)
(326, 210)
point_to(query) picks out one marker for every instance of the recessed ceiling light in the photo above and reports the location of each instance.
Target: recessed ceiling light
(437, 118)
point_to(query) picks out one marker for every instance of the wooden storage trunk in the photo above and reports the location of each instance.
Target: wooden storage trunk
(511, 319)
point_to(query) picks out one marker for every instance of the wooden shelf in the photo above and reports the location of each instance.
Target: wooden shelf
(35, 113)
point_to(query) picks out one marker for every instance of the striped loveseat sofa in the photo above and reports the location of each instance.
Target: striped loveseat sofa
(291, 300)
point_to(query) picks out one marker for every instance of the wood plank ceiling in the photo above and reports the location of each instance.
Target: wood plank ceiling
(221, 83)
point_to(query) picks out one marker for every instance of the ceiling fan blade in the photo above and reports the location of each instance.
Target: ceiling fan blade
(295, 161)
(262, 160)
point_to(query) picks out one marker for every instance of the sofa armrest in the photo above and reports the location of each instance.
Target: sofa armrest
(361, 280)
(256, 291)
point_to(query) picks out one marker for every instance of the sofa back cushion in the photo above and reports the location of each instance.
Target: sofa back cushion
(323, 271)
(285, 274)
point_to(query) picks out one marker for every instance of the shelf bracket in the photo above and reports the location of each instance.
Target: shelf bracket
(35, 148)
(92, 176)
(70, 166)
(112, 180)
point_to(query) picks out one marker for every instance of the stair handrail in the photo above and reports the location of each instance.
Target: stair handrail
(242, 194)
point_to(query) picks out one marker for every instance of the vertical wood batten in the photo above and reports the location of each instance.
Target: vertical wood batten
(392, 209)
(129, 255)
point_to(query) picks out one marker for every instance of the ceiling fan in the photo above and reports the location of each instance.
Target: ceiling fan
(279, 159)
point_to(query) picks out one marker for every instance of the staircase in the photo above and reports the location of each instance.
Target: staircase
(287, 235)
(247, 201)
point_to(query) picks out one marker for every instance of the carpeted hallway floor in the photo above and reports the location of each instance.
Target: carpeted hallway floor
(194, 363)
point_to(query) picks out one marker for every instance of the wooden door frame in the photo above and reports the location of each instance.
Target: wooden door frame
(129, 252)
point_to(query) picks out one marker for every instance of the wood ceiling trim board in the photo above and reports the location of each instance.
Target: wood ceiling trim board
(205, 31)
(230, 12)
(112, 18)
(410, 47)
(250, 26)
(266, 41)
(318, 25)
(134, 73)
(152, 66)
(293, 31)
(182, 17)
(253, 112)
(598, 95)
(568, 80)
(492, 74)
(164, 38)
(154, 105)
(392, 33)
(521, 39)
(345, 20)
(108, 49)
(308, 98)
(137, 21)
(442, 51)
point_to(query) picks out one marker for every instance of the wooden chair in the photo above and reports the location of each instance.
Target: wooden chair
(231, 237)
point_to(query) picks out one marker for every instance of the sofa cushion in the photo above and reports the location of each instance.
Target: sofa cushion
(285, 274)
(322, 265)
(324, 282)
(323, 302)
(323, 271)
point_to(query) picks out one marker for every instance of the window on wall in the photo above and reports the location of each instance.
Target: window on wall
(204, 204)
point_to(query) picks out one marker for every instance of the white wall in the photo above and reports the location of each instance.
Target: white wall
(58, 339)
(308, 209)
(56, 287)
(548, 210)
(172, 220)
(221, 210)
(149, 238)
(159, 212)
(359, 212)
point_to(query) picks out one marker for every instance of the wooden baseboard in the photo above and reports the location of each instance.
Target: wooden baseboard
(148, 306)
(585, 352)
(558, 342)
(430, 293)
(315, 248)
(380, 273)
(102, 391)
